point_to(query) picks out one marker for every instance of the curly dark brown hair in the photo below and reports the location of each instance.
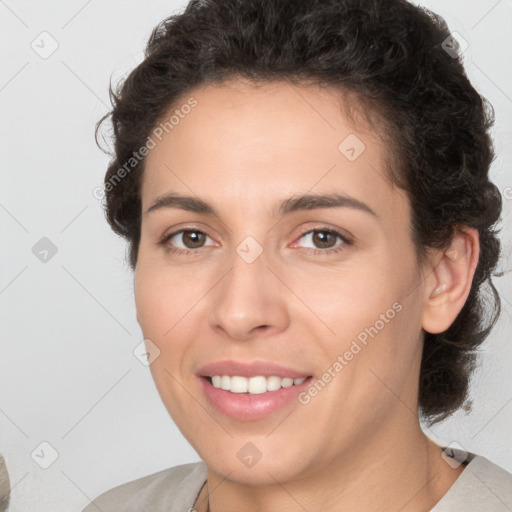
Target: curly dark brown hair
(401, 63)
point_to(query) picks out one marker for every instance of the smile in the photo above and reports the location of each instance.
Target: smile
(253, 385)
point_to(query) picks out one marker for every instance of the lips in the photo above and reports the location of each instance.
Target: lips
(249, 405)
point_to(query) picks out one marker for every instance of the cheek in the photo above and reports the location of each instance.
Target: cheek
(162, 308)
(163, 298)
(148, 300)
(351, 300)
(373, 312)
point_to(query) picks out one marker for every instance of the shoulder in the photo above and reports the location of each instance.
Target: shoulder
(482, 485)
(172, 489)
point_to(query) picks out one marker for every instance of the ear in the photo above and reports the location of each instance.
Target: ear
(449, 282)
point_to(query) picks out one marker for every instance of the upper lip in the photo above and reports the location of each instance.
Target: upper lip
(249, 369)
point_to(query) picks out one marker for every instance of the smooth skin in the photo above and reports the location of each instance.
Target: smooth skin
(357, 445)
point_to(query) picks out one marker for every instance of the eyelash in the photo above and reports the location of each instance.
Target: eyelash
(316, 252)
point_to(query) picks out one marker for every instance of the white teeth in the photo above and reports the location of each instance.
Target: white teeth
(225, 383)
(273, 383)
(253, 385)
(257, 385)
(238, 385)
(287, 382)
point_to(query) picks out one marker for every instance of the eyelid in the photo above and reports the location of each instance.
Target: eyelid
(343, 234)
(168, 235)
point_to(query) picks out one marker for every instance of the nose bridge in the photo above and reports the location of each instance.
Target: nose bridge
(247, 298)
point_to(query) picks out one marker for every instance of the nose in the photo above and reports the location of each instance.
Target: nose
(249, 301)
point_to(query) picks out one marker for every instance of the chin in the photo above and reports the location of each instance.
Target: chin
(248, 466)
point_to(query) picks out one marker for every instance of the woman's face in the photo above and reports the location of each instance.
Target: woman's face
(265, 280)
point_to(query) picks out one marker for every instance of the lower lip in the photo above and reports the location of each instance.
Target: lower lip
(251, 407)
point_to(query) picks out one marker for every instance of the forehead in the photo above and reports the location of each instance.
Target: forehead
(253, 143)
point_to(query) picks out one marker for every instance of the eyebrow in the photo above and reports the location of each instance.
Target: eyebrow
(290, 205)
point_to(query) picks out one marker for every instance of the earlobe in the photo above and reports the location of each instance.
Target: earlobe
(449, 282)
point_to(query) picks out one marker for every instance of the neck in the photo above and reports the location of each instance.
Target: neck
(400, 469)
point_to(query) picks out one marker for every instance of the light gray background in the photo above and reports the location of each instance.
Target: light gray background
(69, 377)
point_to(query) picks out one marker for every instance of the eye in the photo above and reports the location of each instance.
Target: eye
(325, 240)
(191, 240)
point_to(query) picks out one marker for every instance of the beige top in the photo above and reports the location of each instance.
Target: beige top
(482, 486)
